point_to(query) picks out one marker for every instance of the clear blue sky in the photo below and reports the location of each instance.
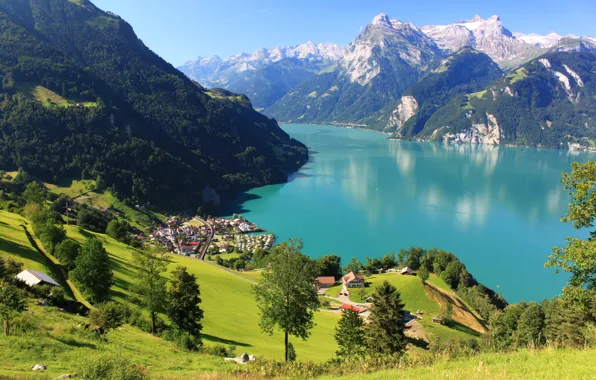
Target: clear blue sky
(180, 30)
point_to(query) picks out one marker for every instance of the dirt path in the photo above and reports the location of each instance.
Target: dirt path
(461, 312)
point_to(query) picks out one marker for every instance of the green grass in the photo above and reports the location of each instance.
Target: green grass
(522, 364)
(83, 191)
(73, 188)
(47, 97)
(231, 316)
(62, 346)
(517, 75)
(15, 244)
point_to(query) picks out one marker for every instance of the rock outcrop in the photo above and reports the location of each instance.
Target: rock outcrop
(407, 107)
(488, 133)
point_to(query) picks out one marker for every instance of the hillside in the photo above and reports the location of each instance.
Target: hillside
(227, 299)
(548, 102)
(521, 364)
(85, 98)
(464, 72)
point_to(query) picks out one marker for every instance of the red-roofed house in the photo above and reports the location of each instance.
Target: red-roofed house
(325, 281)
(352, 280)
(355, 308)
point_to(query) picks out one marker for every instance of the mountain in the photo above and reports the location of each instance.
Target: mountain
(464, 72)
(267, 74)
(549, 102)
(508, 49)
(84, 97)
(386, 58)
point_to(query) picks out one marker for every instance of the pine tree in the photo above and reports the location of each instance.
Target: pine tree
(93, 272)
(183, 302)
(386, 329)
(350, 335)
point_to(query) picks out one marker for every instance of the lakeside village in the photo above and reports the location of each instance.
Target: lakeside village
(197, 238)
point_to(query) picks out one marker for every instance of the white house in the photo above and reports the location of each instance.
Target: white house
(33, 278)
(407, 270)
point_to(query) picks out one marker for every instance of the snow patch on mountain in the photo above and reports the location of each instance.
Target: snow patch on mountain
(575, 76)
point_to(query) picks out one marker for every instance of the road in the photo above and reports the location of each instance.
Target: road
(209, 239)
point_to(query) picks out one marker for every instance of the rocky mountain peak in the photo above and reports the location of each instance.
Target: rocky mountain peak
(382, 20)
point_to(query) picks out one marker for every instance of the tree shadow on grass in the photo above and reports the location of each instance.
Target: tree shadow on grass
(455, 325)
(75, 343)
(420, 343)
(215, 339)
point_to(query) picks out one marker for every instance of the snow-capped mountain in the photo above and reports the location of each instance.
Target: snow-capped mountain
(362, 61)
(266, 74)
(385, 59)
(491, 37)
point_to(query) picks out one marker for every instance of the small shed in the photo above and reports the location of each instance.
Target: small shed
(407, 271)
(33, 278)
(438, 320)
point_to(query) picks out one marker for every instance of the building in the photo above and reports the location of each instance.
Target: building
(325, 281)
(407, 271)
(352, 280)
(34, 278)
(355, 308)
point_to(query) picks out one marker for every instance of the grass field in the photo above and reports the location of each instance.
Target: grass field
(82, 190)
(49, 98)
(60, 345)
(231, 315)
(416, 297)
(517, 75)
(523, 364)
(15, 244)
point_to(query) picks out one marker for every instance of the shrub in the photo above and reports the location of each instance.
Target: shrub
(182, 339)
(107, 316)
(110, 368)
(219, 350)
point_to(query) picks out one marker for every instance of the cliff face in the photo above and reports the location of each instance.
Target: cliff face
(488, 133)
(407, 107)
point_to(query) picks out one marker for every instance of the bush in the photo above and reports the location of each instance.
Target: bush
(182, 339)
(57, 297)
(110, 368)
(220, 350)
(107, 316)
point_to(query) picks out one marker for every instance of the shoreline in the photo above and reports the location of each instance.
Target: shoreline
(567, 148)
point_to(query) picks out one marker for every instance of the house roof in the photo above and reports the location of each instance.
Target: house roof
(351, 277)
(407, 269)
(42, 277)
(326, 280)
(357, 309)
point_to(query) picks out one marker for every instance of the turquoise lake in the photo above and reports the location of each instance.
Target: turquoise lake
(497, 208)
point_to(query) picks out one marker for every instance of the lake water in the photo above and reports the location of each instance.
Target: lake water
(497, 208)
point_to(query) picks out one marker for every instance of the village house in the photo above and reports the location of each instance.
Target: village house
(352, 280)
(407, 271)
(325, 281)
(355, 308)
(33, 278)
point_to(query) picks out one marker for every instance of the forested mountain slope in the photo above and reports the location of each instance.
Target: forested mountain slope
(84, 97)
(550, 101)
(464, 72)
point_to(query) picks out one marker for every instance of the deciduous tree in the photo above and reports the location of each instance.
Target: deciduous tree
(286, 294)
(12, 303)
(151, 285)
(93, 271)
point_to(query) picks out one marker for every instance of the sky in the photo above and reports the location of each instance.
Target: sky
(181, 30)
